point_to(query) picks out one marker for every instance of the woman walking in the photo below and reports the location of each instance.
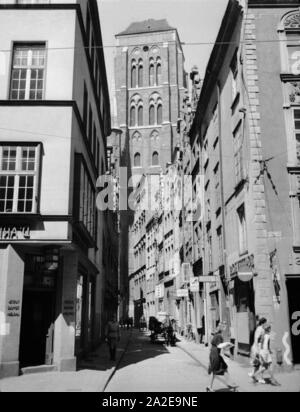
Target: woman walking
(217, 365)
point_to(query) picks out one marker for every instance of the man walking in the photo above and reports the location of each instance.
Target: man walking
(112, 335)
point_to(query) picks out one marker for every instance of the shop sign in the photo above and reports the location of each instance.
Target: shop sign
(182, 293)
(160, 291)
(194, 285)
(244, 269)
(208, 279)
(14, 233)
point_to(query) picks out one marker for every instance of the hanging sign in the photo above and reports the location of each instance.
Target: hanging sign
(182, 293)
(194, 285)
(160, 291)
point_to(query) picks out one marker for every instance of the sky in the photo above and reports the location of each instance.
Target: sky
(195, 20)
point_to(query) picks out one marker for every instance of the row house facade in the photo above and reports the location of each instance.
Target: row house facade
(246, 133)
(54, 119)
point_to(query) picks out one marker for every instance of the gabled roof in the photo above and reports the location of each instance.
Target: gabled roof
(147, 26)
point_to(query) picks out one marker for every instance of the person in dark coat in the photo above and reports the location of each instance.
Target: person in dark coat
(217, 365)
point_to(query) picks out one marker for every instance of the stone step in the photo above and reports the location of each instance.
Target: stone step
(38, 369)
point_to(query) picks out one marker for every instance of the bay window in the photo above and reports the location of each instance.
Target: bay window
(19, 170)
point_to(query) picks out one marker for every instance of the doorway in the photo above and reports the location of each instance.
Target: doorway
(37, 316)
(293, 289)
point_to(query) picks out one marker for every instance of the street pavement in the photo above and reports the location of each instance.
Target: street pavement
(148, 367)
(92, 375)
(142, 366)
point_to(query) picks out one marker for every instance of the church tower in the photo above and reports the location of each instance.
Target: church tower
(150, 85)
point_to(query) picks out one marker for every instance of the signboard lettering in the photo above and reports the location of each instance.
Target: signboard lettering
(13, 309)
(14, 233)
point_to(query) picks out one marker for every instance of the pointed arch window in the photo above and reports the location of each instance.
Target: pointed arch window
(155, 159)
(133, 74)
(137, 160)
(140, 116)
(151, 115)
(132, 116)
(158, 73)
(159, 114)
(151, 74)
(141, 74)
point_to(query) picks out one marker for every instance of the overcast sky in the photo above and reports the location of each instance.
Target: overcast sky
(195, 20)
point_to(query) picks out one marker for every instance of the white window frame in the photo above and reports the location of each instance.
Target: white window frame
(29, 67)
(18, 173)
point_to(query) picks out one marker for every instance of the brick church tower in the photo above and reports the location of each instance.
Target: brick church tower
(150, 84)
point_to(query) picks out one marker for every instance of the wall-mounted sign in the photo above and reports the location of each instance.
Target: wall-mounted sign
(182, 293)
(160, 291)
(194, 285)
(14, 233)
(208, 279)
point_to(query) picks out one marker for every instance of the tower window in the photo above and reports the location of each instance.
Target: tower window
(155, 159)
(137, 160)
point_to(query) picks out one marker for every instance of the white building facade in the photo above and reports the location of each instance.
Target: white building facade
(54, 117)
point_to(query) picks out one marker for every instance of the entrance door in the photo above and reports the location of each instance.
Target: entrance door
(293, 288)
(37, 316)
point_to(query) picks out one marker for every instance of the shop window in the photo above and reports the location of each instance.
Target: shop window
(19, 172)
(79, 308)
(28, 70)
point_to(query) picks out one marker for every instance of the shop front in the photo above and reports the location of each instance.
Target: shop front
(243, 304)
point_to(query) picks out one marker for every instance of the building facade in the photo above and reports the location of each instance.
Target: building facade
(54, 119)
(150, 86)
(245, 130)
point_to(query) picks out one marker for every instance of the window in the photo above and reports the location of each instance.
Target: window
(132, 116)
(141, 74)
(238, 154)
(28, 70)
(90, 133)
(151, 115)
(297, 132)
(242, 229)
(87, 202)
(159, 114)
(137, 160)
(133, 74)
(85, 107)
(140, 116)
(19, 178)
(234, 73)
(151, 74)
(294, 53)
(220, 245)
(158, 72)
(155, 159)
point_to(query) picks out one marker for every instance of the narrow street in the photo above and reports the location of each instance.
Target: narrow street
(158, 368)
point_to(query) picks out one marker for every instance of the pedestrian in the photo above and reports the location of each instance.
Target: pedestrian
(217, 365)
(266, 356)
(112, 335)
(256, 347)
